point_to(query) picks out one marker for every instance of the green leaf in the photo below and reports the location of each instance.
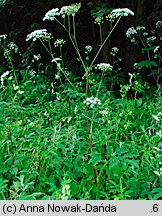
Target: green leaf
(147, 64)
(158, 194)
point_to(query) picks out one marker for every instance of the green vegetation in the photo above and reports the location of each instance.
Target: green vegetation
(73, 138)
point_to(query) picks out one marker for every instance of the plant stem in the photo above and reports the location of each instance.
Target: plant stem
(104, 42)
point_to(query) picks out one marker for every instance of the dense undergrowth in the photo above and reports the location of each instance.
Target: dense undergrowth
(73, 138)
(46, 153)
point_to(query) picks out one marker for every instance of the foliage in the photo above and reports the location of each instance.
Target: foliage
(149, 45)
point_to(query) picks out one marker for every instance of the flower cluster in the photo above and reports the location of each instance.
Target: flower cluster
(140, 28)
(65, 10)
(37, 57)
(119, 12)
(70, 9)
(32, 73)
(38, 34)
(12, 46)
(50, 15)
(92, 101)
(88, 48)
(104, 112)
(98, 20)
(131, 31)
(59, 42)
(104, 67)
(114, 50)
(158, 24)
(3, 76)
(151, 39)
(3, 37)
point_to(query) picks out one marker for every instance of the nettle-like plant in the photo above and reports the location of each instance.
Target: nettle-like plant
(149, 45)
(68, 14)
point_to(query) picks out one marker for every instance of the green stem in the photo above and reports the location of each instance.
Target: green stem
(104, 42)
(61, 56)
(46, 48)
(101, 37)
(102, 76)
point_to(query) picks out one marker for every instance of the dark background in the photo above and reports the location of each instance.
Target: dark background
(20, 17)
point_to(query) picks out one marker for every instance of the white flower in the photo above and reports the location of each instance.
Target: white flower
(104, 67)
(76, 109)
(140, 28)
(156, 49)
(20, 92)
(119, 12)
(50, 15)
(131, 31)
(3, 37)
(145, 34)
(110, 17)
(15, 87)
(70, 9)
(3, 76)
(92, 101)
(88, 48)
(114, 50)
(98, 20)
(158, 24)
(40, 33)
(37, 57)
(151, 39)
(32, 73)
(59, 42)
(136, 66)
(104, 112)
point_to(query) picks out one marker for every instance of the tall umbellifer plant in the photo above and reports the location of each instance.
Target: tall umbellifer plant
(69, 25)
(149, 45)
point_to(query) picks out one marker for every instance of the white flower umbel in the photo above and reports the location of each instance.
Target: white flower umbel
(98, 20)
(37, 34)
(37, 57)
(119, 12)
(104, 67)
(104, 112)
(88, 48)
(70, 9)
(3, 76)
(131, 32)
(158, 24)
(92, 101)
(51, 14)
(151, 39)
(3, 37)
(59, 42)
(12, 46)
(114, 50)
